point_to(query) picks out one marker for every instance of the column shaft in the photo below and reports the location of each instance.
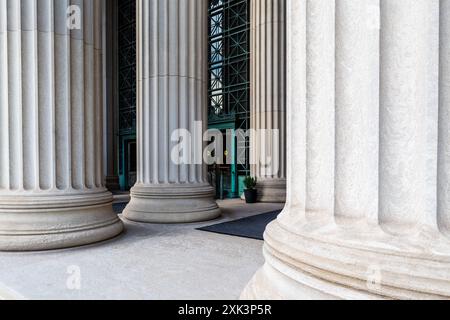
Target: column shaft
(444, 124)
(320, 110)
(111, 95)
(4, 98)
(172, 95)
(388, 235)
(357, 104)
(409, 114)
(51, 190)
(268, 98)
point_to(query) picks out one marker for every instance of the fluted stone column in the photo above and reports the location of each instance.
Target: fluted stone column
(368, 189)
(51, 177)
(268, 98)
(172, 95)
(444, 124)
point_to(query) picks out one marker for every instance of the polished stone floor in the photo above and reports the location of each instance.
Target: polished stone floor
(146, 262)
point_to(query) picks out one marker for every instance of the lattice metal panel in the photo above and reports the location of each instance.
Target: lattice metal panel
(127, 66)
(229, 67)
(229, 59)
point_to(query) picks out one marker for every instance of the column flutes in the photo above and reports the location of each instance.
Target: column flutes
(409, 114)
(268, 98)
(51, 175)
(111, 94)
(444, 124)
(172, 95)
(320, 113)
(387, 234)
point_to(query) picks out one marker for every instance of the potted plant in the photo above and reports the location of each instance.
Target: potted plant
(250, 191)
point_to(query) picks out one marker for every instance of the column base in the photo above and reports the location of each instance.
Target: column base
(172, 204)
(112, 183)
(327, 261)
(270, 284)
(34, 223)
(272, 190)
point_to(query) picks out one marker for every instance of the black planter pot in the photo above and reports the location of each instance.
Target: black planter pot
(251, 196)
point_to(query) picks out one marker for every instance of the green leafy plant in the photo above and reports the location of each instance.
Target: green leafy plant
(250, 183)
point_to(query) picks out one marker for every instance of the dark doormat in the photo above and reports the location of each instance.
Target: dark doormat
(251, 227)
(119, 207)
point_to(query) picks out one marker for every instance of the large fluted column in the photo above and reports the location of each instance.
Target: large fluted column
(368, 189)
(268, 98)
(172, 95)
(51, 177)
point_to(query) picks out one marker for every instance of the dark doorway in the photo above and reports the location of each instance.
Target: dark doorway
(126, 34)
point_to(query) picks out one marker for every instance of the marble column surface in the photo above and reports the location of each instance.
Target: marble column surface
(172, 95)
(111, 94)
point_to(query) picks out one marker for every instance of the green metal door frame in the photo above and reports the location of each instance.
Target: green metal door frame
(234, 190)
